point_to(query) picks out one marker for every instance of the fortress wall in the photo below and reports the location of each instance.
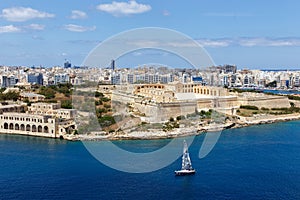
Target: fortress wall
(164, 111)
(124, 98)
(267, 102)
(204, 104)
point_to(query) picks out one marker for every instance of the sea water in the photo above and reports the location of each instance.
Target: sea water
(257, 162)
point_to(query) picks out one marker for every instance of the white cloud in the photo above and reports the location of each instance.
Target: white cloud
(38, 27)
(124, 8)
(166, 13)
(77, 14)
(214, 42)
(77, 28)
(269, 42)
(224, 42)
(20, 14)
(9, 29)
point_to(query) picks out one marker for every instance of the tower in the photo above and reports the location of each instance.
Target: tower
(112, 65)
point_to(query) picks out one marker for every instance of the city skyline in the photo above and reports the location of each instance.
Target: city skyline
(256, 35)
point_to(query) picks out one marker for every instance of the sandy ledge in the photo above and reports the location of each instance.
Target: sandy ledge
(190, 131)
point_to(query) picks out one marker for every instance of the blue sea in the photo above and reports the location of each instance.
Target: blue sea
(257, 162)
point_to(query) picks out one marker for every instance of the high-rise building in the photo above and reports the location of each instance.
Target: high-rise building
(113, 65)
(35, 78)
(67, 64)
(8, 81)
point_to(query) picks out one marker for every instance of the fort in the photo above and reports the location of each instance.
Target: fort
(160, 102)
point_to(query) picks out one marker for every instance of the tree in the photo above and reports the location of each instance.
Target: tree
(99, 94)
(10, 96)
(48, 92)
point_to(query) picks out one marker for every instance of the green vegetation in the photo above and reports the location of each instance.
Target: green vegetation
(98, 103)
(292, 97)
(249, 107)
(48, 92)
(248, 111)
(106, 120)
(66, 104)
(65, 89)
(244, 90)
(170, 125)
(99, 94)
(105, 99)
(181, 117)
(9, 96)
(282, 109)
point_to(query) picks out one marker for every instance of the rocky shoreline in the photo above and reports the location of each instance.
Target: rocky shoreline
(152, 134)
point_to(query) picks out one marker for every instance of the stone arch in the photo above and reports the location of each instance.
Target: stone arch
(5, 125)
(46, 129)
(40, 129)
(22, 127)
(17, 127)
(33, 128)
(11, 126)
(28, 128)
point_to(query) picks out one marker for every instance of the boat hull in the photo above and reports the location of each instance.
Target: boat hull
(185, 172)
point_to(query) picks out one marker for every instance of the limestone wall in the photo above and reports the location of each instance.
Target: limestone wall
(267, 101)
(124, 98)
(163, 111)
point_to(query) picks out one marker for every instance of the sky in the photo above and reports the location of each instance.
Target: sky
(251, 34)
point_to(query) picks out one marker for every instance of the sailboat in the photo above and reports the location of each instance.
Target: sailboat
(186, 166)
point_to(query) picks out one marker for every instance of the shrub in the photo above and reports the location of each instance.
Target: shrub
(99, 94)
(9, 96)
(181, 117)
(107, 106)
(292, 97)
(248, 107)
(97, 103)
(105, 99)
(66, 104)
(106, 120)
(282, 109)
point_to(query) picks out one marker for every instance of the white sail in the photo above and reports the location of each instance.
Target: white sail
(186, 165)
(186, 161)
